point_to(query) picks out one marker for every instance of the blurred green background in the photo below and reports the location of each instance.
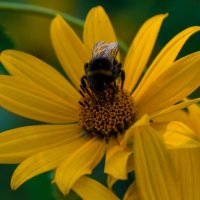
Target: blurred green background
(30, 33)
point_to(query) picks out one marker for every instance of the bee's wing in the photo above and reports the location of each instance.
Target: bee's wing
(98, 49)
(103, 49)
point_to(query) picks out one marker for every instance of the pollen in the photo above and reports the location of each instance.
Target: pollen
(109, 114)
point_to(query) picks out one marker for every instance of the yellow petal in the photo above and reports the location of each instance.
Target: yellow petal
(141, 49)
(173, 85)
(25, 98)
(165, 58)
(194, 116)
(143, 121)
(44, 161)
(116, 160)
(178, 135)
(132, 193)
(29, 67)
(130, 164)
(155, 174)
(97, 28)
(174, 108)
(111, 181)
(190, 117)
(19, 143)
(179, 115)
(81, 162)
(160, 127)
(69, 49)
(187, 162)
(88, 189)
(129, 168)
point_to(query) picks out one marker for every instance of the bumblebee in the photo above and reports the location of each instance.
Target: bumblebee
(103, 70)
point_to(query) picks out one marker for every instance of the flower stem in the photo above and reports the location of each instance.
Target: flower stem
(27, 8)
(39, 10)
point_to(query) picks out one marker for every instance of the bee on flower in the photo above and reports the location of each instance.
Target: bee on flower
(105, 108)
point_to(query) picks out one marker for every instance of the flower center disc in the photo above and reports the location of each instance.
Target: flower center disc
(107, 114)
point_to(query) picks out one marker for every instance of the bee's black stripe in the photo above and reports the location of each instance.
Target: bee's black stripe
(100, 71)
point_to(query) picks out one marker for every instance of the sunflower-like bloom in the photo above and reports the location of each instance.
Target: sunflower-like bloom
(182, 138)
(81, 127)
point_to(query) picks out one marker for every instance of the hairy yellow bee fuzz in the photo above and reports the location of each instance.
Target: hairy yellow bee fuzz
(107, 114)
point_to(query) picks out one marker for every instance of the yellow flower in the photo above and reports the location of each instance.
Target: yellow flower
(182, 138)
(37, 91)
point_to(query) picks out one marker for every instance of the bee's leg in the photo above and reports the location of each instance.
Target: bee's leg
(86, 89)
(86, 67)
(119, 66)
(83, 83)
(116, 72)
(115, 87)
(122, 78)
(81, 103)
(82, 91)
(117, 69)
